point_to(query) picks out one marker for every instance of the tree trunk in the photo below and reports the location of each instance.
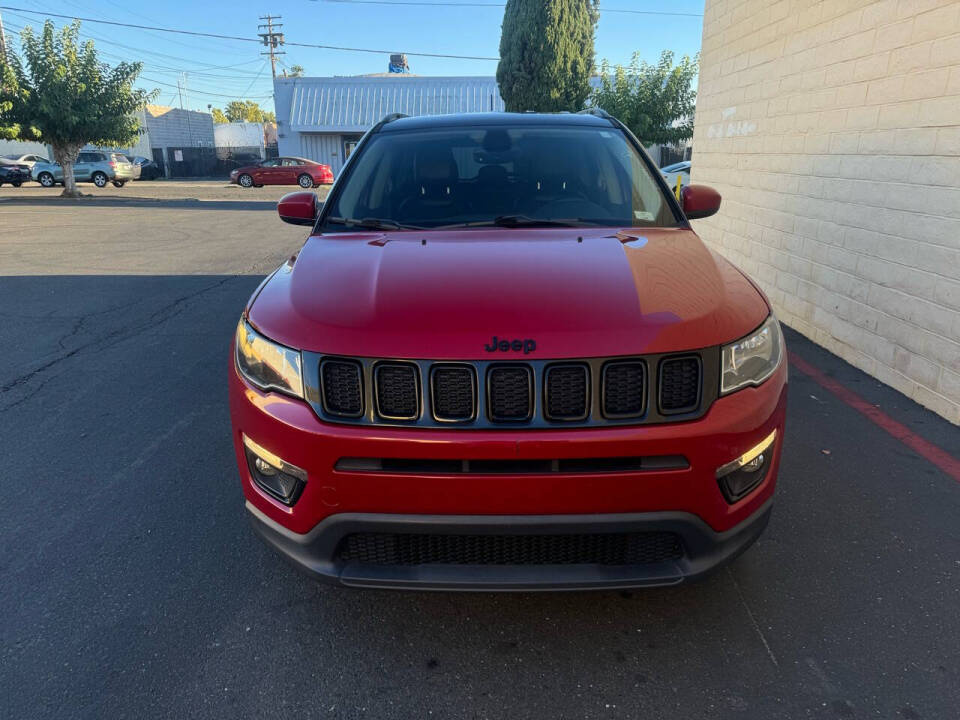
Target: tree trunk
(66, 156)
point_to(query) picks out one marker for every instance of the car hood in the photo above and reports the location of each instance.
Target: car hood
(445, 295)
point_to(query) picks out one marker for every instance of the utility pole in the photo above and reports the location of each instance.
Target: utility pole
(271, 40)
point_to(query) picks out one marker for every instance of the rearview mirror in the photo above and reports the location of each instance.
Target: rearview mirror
(699, 201)
(298, 208)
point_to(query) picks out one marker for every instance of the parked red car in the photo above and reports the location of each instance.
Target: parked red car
(503, 360)
(283, 171)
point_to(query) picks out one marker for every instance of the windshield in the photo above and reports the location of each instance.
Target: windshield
(521, 176)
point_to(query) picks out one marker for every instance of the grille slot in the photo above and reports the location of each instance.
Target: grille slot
(679, 384)
(567, 392)
(638, 548)
(624, 389)
(398, 394)
(510, 393)
(342, 387)
(454, 389)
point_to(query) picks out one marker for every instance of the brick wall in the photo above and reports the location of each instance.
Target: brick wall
(832, 130)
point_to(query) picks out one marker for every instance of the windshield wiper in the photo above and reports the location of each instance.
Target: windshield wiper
(512, 221)
(372, 223)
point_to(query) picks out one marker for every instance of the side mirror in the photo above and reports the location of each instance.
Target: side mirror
(298, 208)
(699, 201)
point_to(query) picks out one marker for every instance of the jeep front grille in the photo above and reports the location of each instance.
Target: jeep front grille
(523, 394)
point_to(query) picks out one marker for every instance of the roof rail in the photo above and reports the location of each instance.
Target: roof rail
(391, 117)
(599, 112)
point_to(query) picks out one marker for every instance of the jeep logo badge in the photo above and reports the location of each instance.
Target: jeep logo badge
(527, 345)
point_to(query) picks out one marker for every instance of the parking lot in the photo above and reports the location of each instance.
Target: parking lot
(131, 585)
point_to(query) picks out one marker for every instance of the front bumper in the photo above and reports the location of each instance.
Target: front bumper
(315, 552)
(335, 502)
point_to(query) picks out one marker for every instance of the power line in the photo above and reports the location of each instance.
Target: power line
(200, 92)
(387, 52)
(317, 46)
(427, 3)
(177, 86)
(252, 82)
(244, 39)
(144, 51)
(129, 25)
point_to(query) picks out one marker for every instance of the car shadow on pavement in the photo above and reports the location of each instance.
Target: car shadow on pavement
(132, 581)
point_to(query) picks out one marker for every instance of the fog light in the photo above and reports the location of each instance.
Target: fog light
(264, 468)
(738, 477)
(272, 474)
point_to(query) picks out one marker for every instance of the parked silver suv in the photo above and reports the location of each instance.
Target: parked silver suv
(96, 167)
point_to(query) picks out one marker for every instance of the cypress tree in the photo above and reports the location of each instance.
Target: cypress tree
(546, 54)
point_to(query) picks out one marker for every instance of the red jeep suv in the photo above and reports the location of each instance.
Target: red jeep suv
(503, 360)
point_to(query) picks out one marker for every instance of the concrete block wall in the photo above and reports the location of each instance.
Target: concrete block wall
(173, 127)
(832, 131)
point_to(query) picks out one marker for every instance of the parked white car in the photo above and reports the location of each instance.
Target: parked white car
(27, 159)
(670, 173)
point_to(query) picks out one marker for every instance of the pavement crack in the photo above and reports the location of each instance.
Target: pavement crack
(158, 317)
(753, 620)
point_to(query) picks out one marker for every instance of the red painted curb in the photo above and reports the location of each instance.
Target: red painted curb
(936, 455)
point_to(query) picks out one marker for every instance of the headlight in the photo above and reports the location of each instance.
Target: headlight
(751, 360)
(266, 364)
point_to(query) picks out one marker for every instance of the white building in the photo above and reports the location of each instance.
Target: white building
(236, 136)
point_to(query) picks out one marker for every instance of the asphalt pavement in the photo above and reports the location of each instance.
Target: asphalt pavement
(131, 585)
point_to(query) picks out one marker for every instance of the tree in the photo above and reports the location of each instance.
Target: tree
(655, 101)
(247, 111)
(546, 54)
(243, 111)
(63, 95)
(295, 71)
(11, 103)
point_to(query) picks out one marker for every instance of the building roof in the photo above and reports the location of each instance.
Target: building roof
(354, 104)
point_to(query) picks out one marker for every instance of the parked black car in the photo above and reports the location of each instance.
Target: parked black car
(15, 175)
(149, 170)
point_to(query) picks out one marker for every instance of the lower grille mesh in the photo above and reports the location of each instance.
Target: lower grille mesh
(680, 384)
(639, 548)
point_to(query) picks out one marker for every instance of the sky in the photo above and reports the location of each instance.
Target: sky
(218, 70)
